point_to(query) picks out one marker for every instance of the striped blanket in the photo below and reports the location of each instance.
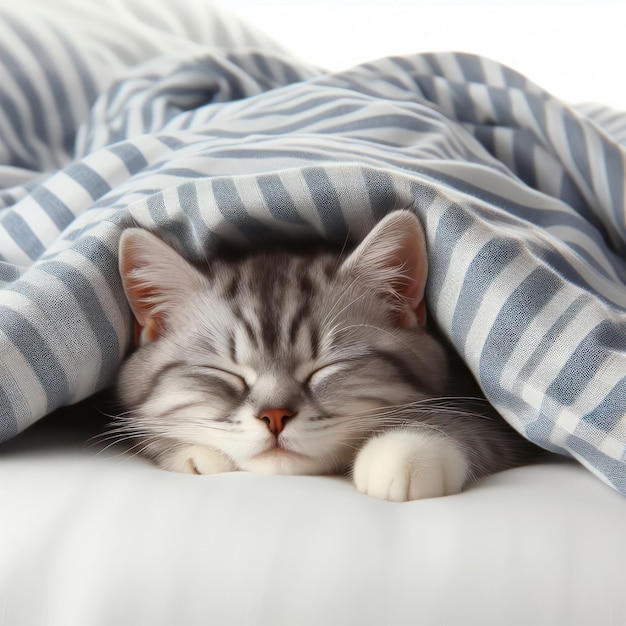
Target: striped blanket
(521, 197)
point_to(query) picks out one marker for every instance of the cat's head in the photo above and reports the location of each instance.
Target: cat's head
(282, 362)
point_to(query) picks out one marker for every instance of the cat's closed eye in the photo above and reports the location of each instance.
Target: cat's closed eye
(210, 377)
(320, 374)
(227, 376)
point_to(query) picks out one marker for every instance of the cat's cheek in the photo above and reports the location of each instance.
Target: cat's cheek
(410, 465)
(197, 460)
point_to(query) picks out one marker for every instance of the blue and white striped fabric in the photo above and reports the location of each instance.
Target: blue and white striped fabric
(521, 197)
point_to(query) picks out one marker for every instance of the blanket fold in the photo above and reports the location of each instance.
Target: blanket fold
(521, 197)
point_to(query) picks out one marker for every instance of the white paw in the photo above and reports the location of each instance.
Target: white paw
(197, 460)
(409, 465)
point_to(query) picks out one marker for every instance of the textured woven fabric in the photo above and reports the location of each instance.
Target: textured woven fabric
(520, 195)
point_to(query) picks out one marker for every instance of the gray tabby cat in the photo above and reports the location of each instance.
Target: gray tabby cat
(303, 364)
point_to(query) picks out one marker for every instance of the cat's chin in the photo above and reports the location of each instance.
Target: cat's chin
(281, 461)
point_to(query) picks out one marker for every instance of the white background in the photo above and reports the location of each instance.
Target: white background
(576, 50)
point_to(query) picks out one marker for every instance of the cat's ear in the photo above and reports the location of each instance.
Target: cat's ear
(392, 261)
(156, 280)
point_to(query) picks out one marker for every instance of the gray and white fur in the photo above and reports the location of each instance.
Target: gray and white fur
(288, 363)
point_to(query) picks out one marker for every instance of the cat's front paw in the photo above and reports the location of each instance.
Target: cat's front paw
(197, 460)
(409, 465)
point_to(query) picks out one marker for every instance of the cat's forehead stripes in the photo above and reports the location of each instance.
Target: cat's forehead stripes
(314, 338)
(232, 288)
(272, 298)
(232, 348)
(305, 282)
(330, 268)
(274, 292)
(301, 314)
(246, 325)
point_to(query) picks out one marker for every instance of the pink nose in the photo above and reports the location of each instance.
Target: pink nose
(275, 419)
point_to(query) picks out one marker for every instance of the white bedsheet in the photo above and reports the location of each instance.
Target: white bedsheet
(105, 541)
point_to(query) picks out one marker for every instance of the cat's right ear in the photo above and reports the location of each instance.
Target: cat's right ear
(156, 280)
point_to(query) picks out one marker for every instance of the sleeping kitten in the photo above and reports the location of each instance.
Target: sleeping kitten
(303, 364)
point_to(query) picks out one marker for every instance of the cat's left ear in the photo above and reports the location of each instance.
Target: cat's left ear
(392, 261)
(157, 281)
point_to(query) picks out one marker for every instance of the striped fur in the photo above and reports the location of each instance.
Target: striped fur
(326, 339)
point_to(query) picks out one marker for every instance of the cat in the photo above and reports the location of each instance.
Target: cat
(303, 363)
